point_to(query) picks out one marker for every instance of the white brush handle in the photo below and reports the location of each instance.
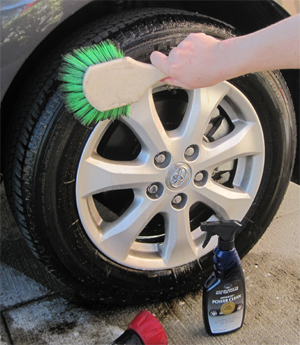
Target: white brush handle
(119, 82)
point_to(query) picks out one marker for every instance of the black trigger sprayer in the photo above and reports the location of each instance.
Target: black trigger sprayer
(224, 293)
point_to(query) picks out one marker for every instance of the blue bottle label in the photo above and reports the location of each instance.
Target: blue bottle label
(226, 307)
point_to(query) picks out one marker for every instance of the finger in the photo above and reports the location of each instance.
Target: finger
(174, 82)
(160, 61)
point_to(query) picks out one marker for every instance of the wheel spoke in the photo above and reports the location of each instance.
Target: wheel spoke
(118, 237)
(178, 245)
(100, 175)
(243, 141)
(146, 125)
(228, 203)
(202, 103)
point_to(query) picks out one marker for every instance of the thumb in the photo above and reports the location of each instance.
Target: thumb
(160, 61)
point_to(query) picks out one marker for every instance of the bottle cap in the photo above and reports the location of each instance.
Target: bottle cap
(149, 329)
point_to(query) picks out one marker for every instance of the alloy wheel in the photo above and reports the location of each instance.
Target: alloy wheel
(144, 183)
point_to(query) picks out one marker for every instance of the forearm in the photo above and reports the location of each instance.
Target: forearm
(201, 60)
(276, 47)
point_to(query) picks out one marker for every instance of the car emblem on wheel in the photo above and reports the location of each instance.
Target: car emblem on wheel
(178, 177)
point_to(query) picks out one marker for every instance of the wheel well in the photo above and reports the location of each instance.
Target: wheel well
(246, 16)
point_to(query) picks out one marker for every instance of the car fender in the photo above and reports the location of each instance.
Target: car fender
(25, 24)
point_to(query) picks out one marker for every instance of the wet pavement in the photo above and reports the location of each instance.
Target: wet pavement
(36, 309)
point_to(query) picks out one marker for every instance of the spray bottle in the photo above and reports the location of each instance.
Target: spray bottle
(224, 293)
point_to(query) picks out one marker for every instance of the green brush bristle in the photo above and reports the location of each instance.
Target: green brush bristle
(72, 73)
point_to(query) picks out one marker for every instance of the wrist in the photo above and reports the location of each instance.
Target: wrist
(233, 54)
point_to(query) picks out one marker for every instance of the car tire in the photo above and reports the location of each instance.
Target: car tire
(60, 211)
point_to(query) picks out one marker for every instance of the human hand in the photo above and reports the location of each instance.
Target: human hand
(196, 62)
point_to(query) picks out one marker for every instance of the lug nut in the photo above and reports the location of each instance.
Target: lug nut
(199, 177)
(160, 158)
(177, 199)
(189, 151)
(153, 189)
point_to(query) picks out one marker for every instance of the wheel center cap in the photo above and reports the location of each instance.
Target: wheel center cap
(178, 176)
